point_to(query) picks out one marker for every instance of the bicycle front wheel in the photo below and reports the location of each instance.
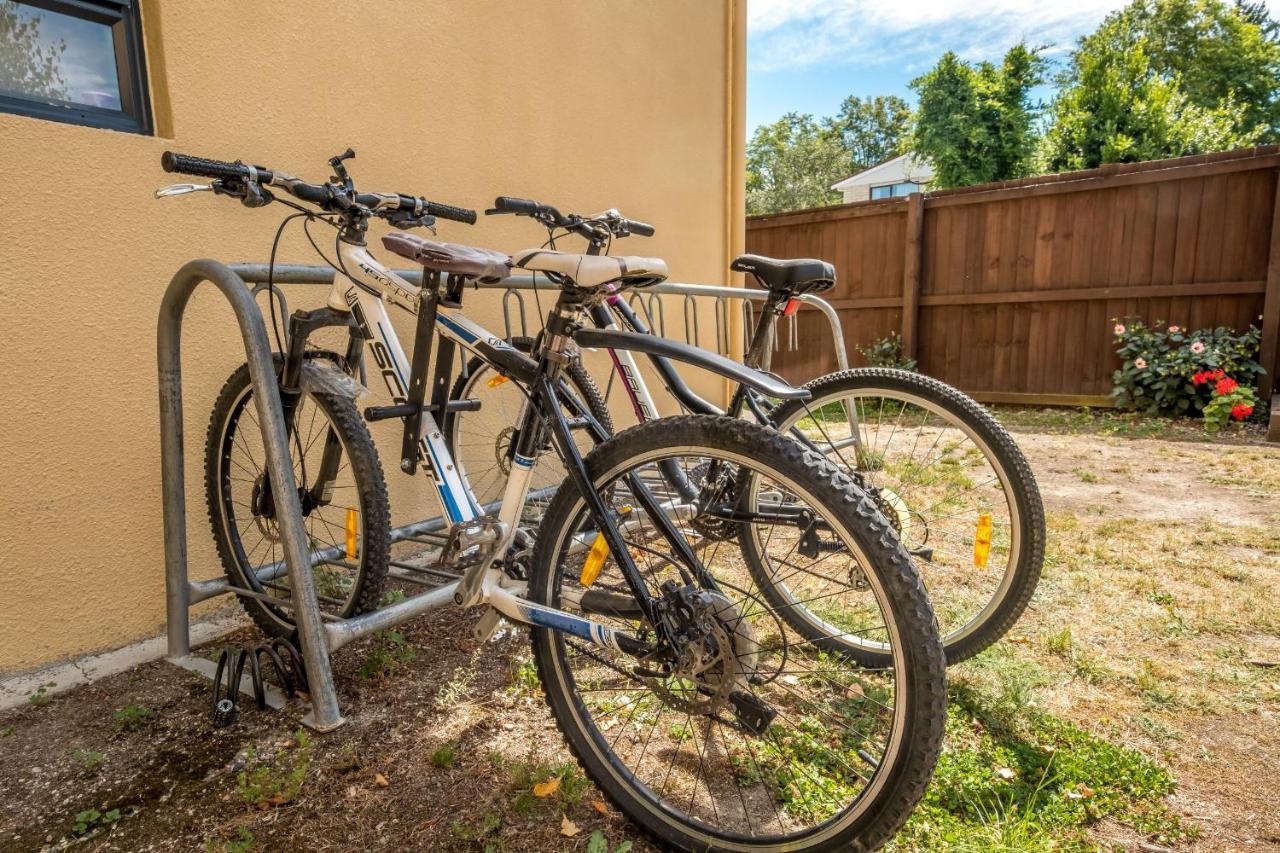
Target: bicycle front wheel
(949, 479)
(341, 490)
(738, 732)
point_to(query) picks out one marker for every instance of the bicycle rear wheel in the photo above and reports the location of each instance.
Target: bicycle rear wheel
(743, 734)
(950, 480)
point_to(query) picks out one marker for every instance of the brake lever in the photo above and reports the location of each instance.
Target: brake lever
(405, 221)
(182, 189)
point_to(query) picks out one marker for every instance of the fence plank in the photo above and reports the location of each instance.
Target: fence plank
(1271, 305)
(911, 262)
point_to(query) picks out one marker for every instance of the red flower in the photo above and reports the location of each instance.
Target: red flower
(1200, 378)
(1240, 411)
(1225, 385)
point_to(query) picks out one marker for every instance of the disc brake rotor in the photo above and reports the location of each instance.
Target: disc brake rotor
(720, 654)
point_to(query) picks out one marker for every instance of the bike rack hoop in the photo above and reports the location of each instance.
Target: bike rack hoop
(324, 714)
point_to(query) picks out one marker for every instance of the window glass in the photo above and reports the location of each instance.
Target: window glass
(882, 192)
(54, 56)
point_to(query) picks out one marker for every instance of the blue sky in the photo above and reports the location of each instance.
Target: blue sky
(807, 55)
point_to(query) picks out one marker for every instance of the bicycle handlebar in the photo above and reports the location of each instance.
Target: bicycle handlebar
(545, 213)
(329, 196)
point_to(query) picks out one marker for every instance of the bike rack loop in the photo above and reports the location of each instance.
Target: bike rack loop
(324, 713)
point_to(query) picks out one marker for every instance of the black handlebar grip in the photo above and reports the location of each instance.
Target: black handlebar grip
(520, 206)
(310, 193)
(448, 211)
(644, 229)
(187, 165)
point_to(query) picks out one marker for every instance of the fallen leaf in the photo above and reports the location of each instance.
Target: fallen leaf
(1006, 773)
(599, 805)
(1085, 790)
(567, 827)
(547, 788)
(380, 780)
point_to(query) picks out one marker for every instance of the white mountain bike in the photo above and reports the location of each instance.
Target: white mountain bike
(686, 695)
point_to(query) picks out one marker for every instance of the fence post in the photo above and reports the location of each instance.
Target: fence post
(914, 244)
(1271, 320)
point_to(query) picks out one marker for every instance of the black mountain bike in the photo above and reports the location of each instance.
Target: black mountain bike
(944, 473)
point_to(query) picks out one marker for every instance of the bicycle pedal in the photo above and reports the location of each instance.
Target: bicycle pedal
(751, 711)
(487, 625)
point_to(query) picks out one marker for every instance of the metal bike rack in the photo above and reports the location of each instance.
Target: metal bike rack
(179, 591)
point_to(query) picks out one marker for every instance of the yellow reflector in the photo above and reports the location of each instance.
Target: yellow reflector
(352, 517)
(496, 381)
(982, 541)
(595, 560)
(596, 556)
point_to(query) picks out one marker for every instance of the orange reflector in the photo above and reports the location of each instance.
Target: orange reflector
(353, 516)
(792, 306)
(496, 381)
(982, 541)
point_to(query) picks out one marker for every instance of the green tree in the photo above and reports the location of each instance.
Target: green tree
(976, 123)
(871, 130)
(791, 165)
(1164, 78)
(26, 65)
(1122, 112)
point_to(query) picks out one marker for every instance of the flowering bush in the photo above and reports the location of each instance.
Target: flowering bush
(1230, 400)
(1159, 365)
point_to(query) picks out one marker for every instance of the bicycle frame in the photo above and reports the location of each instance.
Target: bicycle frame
(361, 289)
(605, 316)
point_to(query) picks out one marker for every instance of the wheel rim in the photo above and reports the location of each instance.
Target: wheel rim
(956, 604)
(252, 534)
(479, 447)
(803, 802)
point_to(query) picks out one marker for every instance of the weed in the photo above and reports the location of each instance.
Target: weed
(524, 678)
(474, 830)
(244, 842)
(388, 655)
(443, 757)
(455, 690)
(1086, 476)
(87, 759)
(262, 785)
(1059, 643)
(91, 819)
(41, 695)
(392, 596)
(7, 731)
(599, 843)
(131, 717)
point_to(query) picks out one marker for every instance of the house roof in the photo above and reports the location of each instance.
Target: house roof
(870, 174)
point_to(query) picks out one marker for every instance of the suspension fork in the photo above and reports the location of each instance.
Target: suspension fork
(331, 456)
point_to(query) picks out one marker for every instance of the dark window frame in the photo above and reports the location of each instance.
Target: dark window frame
(892, 187)
(134, 115)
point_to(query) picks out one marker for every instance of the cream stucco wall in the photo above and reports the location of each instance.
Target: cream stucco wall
(587, 104)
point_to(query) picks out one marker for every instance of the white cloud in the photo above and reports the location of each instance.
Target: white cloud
(797, 33)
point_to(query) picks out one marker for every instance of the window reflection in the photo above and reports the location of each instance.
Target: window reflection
(53, 56)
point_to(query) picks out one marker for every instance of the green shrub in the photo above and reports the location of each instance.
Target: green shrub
(887, 352)
(1158, 365)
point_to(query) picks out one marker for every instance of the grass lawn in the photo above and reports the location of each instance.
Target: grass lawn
(1135, 707)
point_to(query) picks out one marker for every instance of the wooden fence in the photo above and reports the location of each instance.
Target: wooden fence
(1008, 290)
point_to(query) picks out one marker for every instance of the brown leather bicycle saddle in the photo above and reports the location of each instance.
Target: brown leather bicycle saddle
(451, 258)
